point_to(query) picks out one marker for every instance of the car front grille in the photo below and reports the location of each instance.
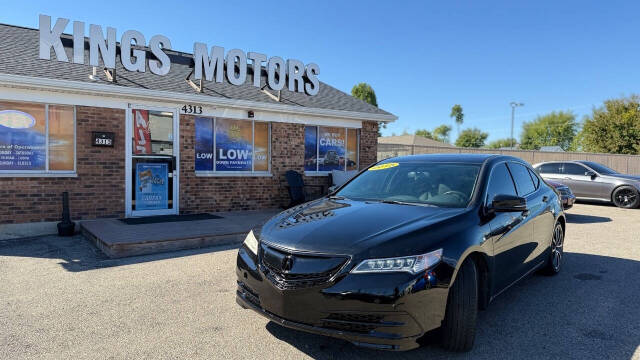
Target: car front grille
(351, 322)
(326, 267)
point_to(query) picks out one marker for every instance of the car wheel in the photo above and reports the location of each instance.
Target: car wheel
(459, 325)
(554, 263)
(626, 197)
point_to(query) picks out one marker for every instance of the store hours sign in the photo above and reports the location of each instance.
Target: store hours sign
(209, 62)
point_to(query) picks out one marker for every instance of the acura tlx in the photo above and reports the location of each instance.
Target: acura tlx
(410, 245)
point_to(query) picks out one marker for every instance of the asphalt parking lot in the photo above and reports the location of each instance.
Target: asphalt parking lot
(61, 298)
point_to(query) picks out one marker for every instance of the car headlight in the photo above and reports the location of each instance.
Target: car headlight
(251, 242)
(410, 264)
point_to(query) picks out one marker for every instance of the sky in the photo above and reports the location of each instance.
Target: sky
(420, 57)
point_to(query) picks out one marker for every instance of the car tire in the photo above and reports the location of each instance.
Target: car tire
(626, 197)
(459, 324)
(556, 253)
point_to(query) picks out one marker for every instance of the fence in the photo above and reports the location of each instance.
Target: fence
(626, 164)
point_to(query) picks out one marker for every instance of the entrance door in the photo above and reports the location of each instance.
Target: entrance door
(152, 162)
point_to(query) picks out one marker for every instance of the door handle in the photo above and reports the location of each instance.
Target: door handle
(545, 198)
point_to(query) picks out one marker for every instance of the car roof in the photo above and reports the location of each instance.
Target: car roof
(583, 162)
(459, 158)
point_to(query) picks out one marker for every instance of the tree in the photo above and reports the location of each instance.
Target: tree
(554, 129)
(472, 138)
(457, 115)
(441, 133)
(424, 133)
(501, 143)
(614, 127)
(364, 92)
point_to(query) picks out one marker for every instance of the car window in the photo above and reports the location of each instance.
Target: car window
(551, 168)
(523, 181)
(535, 178)
(573, 169)
(500, 183)
(432, 183)
(600, 168)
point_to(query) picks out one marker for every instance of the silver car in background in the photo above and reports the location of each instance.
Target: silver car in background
(593, 181)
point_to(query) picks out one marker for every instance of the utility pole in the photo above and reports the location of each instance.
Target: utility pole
(514, 105)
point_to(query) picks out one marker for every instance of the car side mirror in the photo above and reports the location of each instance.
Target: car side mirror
(590, 173)
(508, 203)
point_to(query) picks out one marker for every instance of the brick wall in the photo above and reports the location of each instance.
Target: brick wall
(98, 191)
(210, 193)
(368, 143)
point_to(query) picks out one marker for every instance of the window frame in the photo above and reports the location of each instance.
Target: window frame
(346, 141)
(47, 172)
(252, 173)
(515, 181)
(564, 164)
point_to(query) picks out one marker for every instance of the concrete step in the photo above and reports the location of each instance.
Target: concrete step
(117, 239)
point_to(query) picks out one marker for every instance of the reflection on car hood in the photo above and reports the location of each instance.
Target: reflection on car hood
(347, 226)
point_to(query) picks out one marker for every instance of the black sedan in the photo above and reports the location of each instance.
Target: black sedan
(566, 195)
(410, 245)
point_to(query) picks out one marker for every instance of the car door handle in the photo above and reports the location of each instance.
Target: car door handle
(545, 198)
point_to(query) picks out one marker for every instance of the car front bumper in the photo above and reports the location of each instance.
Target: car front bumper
(568, 201)
(382, 311)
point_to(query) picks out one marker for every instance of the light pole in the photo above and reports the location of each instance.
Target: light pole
(514, 105)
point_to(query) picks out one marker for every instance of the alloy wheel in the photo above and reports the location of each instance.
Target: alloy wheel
(625, 197)
(556, 247)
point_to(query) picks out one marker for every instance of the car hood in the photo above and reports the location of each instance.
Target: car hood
(348, 226)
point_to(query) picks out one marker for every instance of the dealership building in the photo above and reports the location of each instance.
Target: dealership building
(130, 128)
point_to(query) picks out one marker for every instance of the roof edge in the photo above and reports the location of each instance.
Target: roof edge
(155, 95)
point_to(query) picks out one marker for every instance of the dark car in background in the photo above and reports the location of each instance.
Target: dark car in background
(331, 158)
(409, 245)
(593, 181)
(566, 195)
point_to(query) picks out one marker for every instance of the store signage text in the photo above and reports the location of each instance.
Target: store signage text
(209, 64)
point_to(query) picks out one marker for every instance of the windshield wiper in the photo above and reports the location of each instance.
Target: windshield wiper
(396, 202)
(337, 197)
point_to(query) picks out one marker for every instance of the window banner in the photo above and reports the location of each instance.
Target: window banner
(152, 181)
(331, 148)
(310, 148)
(261, 146)
(234, 147)
(204, 144)
(22, 139)
(141, 132)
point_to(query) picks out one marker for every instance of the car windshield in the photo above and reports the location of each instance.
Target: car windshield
(601, 169)
(420, 183)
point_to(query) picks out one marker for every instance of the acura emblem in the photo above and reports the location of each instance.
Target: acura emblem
(287, 263)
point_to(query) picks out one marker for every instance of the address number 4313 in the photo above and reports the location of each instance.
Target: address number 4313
(191, 109)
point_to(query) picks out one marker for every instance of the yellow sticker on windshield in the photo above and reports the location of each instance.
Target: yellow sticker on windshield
(383, 166)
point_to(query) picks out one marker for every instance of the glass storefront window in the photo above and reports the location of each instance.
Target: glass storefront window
(36, 138)
(330, 148)
(231, 146)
